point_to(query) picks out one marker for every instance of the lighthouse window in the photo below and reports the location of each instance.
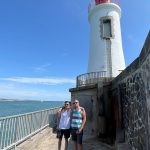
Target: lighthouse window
(106, 28)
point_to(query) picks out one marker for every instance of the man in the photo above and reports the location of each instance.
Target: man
(78, 119)
(63, 124)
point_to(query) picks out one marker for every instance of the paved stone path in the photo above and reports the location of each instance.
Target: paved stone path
(46, 140)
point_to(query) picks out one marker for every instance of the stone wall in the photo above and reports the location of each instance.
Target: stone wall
(133, 92)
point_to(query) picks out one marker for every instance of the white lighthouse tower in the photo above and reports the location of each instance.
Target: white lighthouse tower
(105, 52)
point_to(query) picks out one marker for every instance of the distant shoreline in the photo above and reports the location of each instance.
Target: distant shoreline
(21, 100)
(7, 100)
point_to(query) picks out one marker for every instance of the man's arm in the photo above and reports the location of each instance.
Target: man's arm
(83, 121)
(58, 117)
(71, 115)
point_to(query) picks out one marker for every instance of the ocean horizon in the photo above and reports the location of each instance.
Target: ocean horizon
(16, 107)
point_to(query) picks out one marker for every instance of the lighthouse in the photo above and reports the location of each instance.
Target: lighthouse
(105, 50)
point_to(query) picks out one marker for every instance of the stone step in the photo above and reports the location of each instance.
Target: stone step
(122, 146)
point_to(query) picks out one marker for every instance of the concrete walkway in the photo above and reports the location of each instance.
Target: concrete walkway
(46, 140)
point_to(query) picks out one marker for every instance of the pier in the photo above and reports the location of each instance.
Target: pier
(35, 131)
(46, 140)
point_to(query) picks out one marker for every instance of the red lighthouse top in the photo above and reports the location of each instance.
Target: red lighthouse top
(97, 2)
(102, 1)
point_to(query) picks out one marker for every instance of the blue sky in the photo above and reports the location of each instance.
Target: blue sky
(44, 44)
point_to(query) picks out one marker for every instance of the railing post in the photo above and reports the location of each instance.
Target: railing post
(16, 130)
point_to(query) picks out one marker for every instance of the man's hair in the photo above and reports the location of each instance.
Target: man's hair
(66, 102)
(76, 100)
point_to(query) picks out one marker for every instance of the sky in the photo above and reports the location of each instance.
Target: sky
(44, 44)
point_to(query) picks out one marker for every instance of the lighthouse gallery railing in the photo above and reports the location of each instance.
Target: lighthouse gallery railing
(90, 78)
(15, 129)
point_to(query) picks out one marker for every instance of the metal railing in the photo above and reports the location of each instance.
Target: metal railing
(16, 129)
(90, 78)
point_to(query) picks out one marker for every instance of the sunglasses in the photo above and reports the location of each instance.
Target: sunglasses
(75, 103)
(67, 104)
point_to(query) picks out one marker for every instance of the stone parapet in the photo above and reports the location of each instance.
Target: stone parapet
(132, 91)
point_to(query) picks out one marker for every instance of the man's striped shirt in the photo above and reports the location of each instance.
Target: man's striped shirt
(76, 119)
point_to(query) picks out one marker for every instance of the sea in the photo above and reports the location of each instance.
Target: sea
(10, 108)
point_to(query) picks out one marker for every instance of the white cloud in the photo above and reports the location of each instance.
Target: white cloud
(42, 68)
(47, 81)
(34, 89)
(14, 92)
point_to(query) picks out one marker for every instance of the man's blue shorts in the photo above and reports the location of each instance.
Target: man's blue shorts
(76, 137)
